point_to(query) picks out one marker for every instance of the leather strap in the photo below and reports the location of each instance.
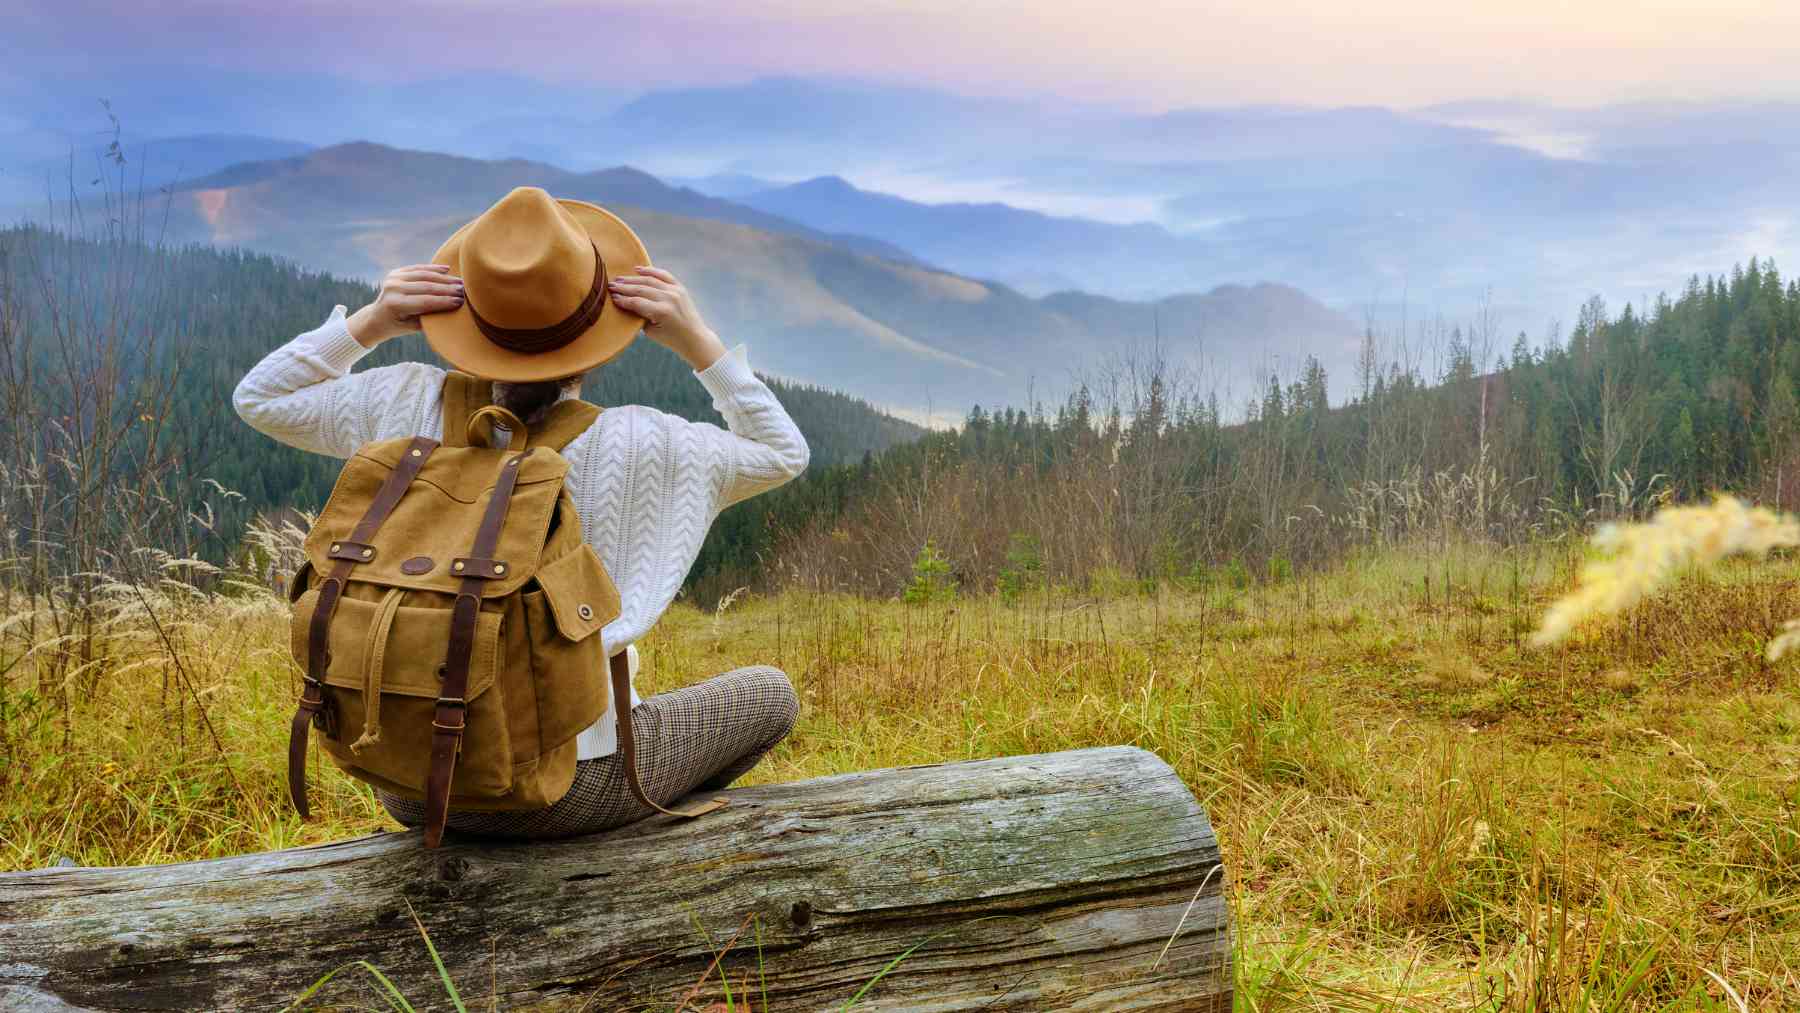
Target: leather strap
(450, 716)
(318, 642)
(492, 569)
(621, 691)
(355, 552)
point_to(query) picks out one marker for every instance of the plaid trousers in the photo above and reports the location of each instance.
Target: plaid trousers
(698, 737)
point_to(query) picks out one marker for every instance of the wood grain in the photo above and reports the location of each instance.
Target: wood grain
(1052, 882)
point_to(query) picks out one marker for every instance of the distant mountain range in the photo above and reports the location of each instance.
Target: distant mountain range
(1524, 209)
(1385, 214)
(366, 185)
(818, 305)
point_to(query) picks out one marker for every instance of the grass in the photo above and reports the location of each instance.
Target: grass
(1418, 810)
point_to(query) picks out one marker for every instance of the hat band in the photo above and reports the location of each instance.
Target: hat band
(534, 340)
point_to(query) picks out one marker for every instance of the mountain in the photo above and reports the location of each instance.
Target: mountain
(926, 340)
(363, 185)
(729, 185)
(814, 307)
(1032, 251)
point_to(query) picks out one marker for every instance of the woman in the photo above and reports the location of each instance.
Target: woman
(646, 484)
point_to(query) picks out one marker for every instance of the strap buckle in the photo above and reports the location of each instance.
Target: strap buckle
(325, 718)
(462, 707)
(314, 700)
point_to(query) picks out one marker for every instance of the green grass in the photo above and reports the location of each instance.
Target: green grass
(1416, 811)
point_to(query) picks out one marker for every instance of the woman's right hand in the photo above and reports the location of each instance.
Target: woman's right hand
(406, 293)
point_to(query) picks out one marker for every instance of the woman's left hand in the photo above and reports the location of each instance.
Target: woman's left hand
(670, 317)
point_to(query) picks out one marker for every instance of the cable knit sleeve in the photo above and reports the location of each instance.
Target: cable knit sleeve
(304, 394)
(648, 484)
(763, 448)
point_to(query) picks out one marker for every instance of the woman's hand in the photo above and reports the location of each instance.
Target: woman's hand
(406, 293)
(670, 317)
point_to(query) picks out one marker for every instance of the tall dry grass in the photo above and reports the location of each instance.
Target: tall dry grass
(101, 508)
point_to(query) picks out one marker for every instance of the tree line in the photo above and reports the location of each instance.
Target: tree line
(1445, 431)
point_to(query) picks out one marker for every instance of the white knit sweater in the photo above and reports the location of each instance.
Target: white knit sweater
(647, 484)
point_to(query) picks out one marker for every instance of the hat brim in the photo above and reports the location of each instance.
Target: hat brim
(454, 335)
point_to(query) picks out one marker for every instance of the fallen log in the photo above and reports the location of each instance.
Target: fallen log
(1083, 880)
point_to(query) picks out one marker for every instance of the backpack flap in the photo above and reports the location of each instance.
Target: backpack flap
(433, 526)
(392, 657)
(580, 595)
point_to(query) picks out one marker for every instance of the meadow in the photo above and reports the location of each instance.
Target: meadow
(1418, 809)
(1318, 608)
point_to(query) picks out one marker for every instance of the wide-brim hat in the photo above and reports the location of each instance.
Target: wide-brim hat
(535, 305)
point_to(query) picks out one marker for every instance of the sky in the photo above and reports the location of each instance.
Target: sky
(1130, 53)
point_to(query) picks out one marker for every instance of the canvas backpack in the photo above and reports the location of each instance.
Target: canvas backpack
(448, 618)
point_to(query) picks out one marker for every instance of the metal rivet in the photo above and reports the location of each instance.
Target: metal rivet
(418, 453)
(457, 566)
(368, 552)
(335, 546)
(586, 611)
(499, 567)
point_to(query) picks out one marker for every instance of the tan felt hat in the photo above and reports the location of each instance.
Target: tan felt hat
(534, 272)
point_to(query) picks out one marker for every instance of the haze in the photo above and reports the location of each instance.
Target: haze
(1143, 55)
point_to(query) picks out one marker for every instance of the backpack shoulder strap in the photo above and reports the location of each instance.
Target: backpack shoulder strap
(565, 421)
(464, 395)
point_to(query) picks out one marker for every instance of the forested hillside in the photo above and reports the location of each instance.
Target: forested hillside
(117, 355)
(1446, 432)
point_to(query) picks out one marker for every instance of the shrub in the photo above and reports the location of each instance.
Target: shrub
(1235, 574)
(1024, 570)
(931, 579)
(1280, 570)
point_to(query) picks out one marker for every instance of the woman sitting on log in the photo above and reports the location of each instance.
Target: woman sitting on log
(646, 484)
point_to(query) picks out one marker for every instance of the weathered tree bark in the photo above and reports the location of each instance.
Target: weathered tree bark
(1085, 880)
